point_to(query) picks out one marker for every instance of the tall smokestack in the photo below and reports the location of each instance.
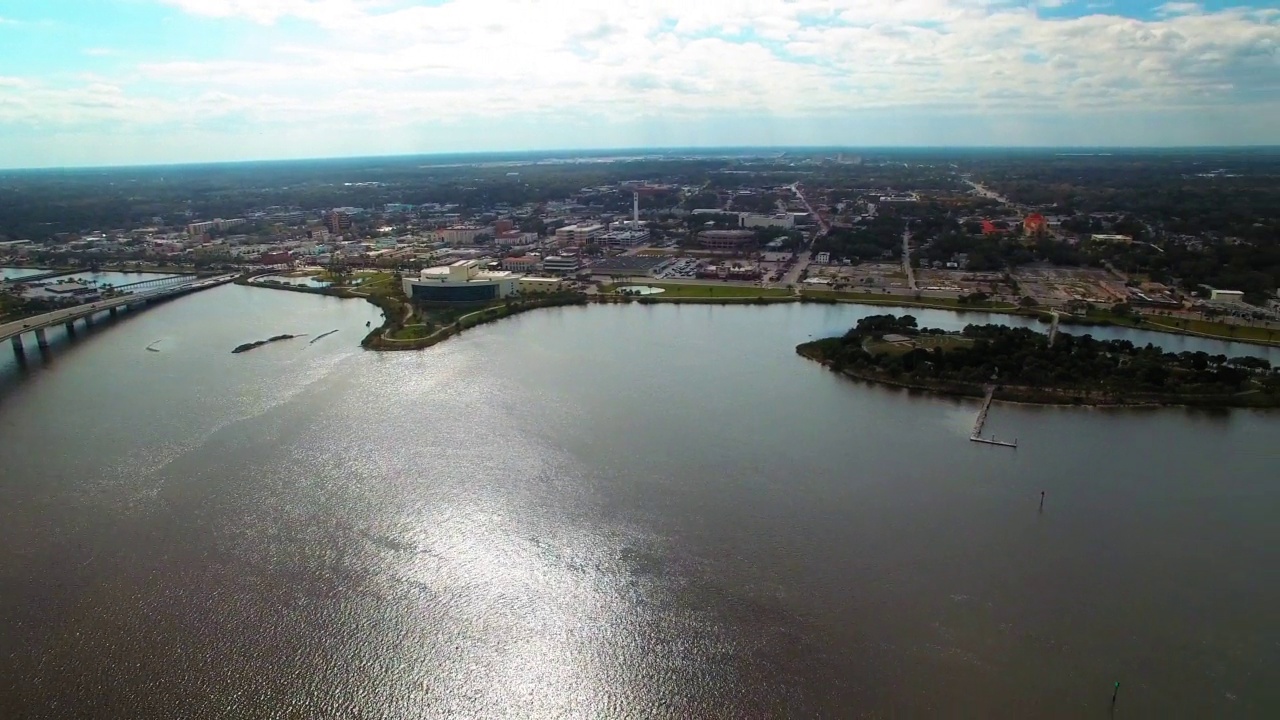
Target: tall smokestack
(635, 210)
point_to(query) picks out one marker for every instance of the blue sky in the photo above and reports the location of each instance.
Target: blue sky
(101, 82)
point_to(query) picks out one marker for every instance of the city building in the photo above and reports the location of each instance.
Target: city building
(726, 239)
(539, 285)
(337, 222)
(1111, 238)
(275, 257)
(822, 258)
(524, 263)
(1236, 296)
(19, 248)
(462, 281)
(1034, 224)
(623, 238)
(288, 217)
(561, 264)
(781, 220)
(515, 238)
(579, 234)
(461, 234)
(197, 229)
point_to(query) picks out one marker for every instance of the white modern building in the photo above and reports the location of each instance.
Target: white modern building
(462, 281)
(781, 220)
(560, 264)
(1236, 296)
(580, 234)
(623, 238)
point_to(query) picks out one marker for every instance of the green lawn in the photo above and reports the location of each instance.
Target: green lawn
(677, 290)
(1217, 329)
(412, 332)
(924, 342)
(946, 342)
(908, 300)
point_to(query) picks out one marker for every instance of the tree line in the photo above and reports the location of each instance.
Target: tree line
(1023, 357)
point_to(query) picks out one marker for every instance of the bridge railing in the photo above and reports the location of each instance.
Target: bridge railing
(143, 285)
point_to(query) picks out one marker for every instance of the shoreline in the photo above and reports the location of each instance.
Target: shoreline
(894, 301)
(614, 299)
(1044, 397)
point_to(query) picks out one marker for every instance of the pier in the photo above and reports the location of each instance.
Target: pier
(49, 275)
(982, 420)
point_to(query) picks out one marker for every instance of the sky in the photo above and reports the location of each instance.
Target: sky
(111, 82)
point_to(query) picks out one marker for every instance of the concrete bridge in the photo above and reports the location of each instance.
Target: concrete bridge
(138, 295)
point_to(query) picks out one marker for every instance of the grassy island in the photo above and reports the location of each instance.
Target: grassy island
(1023, 366)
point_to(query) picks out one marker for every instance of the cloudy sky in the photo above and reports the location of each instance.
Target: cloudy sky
(92, 82)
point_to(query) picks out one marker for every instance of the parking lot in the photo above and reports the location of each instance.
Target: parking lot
(679, 268)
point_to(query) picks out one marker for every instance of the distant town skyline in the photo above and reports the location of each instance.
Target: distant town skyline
(124, 82)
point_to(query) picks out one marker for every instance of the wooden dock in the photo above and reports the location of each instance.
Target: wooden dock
(982, 420)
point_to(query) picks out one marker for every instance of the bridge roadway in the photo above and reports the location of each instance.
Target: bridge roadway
(67, 316)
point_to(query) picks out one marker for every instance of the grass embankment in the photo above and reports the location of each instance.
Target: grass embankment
(681, 291)
(866, 298)
(428, 326)
(1210, 329)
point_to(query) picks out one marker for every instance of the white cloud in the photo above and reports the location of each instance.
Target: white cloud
(380, 63)
(1180, 8)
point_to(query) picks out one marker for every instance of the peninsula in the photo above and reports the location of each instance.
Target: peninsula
(1025, 366)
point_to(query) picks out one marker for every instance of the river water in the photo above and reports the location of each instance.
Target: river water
(609, 511)
(13, 273)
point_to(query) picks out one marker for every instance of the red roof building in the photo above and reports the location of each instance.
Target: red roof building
(1034, 224)
(989, 228)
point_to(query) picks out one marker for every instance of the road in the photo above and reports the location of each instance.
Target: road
(825, 227)
(802, 262)
(906, 260)
(793, 275)
(65, 315)
(987, 192)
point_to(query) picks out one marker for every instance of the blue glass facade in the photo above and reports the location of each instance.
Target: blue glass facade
(471, 292)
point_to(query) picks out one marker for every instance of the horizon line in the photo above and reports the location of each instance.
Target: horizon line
(650, 150)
